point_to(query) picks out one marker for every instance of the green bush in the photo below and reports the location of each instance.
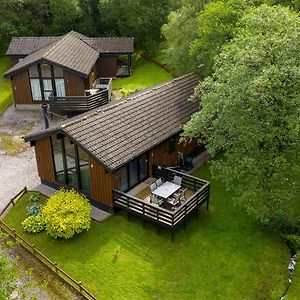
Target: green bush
(34, 209)
(34, 224)
(66, 213)
(127, 92)
(35, 197)
(293, 241)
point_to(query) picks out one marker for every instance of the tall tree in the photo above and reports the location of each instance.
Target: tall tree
(250, 111)
(141, 19)
(180, 32)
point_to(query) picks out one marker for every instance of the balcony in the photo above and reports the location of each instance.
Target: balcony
(138, 200)
(94, 98)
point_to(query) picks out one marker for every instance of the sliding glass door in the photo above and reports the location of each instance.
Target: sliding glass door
(134, 172)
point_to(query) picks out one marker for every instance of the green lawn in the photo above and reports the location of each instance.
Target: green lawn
(5, 84)
(145, 74)
(220, 255)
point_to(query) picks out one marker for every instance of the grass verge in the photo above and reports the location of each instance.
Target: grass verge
(145, 74)
(221, 255)
(5, 85)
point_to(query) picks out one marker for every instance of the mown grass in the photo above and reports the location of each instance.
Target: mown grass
(222, 254)
(145, 74)
(5, 85)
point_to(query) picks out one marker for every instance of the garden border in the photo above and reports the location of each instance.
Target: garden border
(77, 285)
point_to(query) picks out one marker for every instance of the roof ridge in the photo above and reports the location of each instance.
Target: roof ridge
(125, 100)
(56, 43)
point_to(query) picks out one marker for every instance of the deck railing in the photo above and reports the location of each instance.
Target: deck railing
(163, 217)
(78, 103)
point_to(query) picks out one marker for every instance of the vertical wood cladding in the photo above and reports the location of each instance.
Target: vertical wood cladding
(103, 182)
(107, 66)
(92, 77)
(21, 88)
(75, 85)
(44, 159)
(160, 155)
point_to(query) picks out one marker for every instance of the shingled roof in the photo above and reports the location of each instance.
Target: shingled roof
(117, 133)
(73, 51)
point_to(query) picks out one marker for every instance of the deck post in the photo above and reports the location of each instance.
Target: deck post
(184, 224)
(207, 203)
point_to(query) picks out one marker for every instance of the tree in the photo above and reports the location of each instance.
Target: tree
(140, 19)
(179, 33)
(216, 27)
(250, 111)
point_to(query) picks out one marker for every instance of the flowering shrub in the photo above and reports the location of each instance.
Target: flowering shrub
(35, 197)
(33, 224)
(34, 209)
(66, 213)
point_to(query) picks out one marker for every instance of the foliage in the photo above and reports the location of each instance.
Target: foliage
(7, 278)
(293, 241)
(140, 19)
(5, 84)
(128, 92)
(35, 197)
(34, 224)
(34, 209)
(180, 32)
(249, 110)
(116, 248)
(66, 213)
(217, 25)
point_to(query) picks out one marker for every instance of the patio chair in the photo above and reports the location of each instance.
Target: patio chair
(177, 180)
(152, 187)
(156, 200)
(158, 182)
(174, 199)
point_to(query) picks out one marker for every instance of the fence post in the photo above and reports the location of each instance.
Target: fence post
(80, 287)
(55, 267)
(34, 250)
(14, 234)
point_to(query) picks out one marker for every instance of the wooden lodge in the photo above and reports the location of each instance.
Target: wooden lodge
(113, 153)
(70, 72)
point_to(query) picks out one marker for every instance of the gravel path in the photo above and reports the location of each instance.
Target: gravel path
(19, 171)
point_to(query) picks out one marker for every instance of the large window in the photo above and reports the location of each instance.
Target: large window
(133, 172)
(71, 164)
(45, 79)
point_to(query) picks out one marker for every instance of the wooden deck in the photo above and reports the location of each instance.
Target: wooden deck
(78, 103)
(136, 201)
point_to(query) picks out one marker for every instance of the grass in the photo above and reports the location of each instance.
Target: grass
(5, 85)
(221, 255)
(145, 74)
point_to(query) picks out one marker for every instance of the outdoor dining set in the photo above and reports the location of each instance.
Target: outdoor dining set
(167, 192)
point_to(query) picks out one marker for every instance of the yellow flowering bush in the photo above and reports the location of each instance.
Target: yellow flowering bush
(66, 213)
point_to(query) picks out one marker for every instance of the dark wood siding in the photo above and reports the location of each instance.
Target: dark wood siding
(92, 77)
(160, 155)
(75, 85)
(44, 159)
(21, 88)
(102, 183)
(107, 66)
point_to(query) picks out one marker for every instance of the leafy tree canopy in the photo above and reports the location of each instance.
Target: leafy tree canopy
(250, 111)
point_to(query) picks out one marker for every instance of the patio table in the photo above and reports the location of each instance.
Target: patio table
(166, 190)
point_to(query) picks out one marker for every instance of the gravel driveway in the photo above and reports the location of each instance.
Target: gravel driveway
(19, 170)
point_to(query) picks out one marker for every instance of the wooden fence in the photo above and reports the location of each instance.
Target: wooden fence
(13, 201)
(78, 103)
(77, 285)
